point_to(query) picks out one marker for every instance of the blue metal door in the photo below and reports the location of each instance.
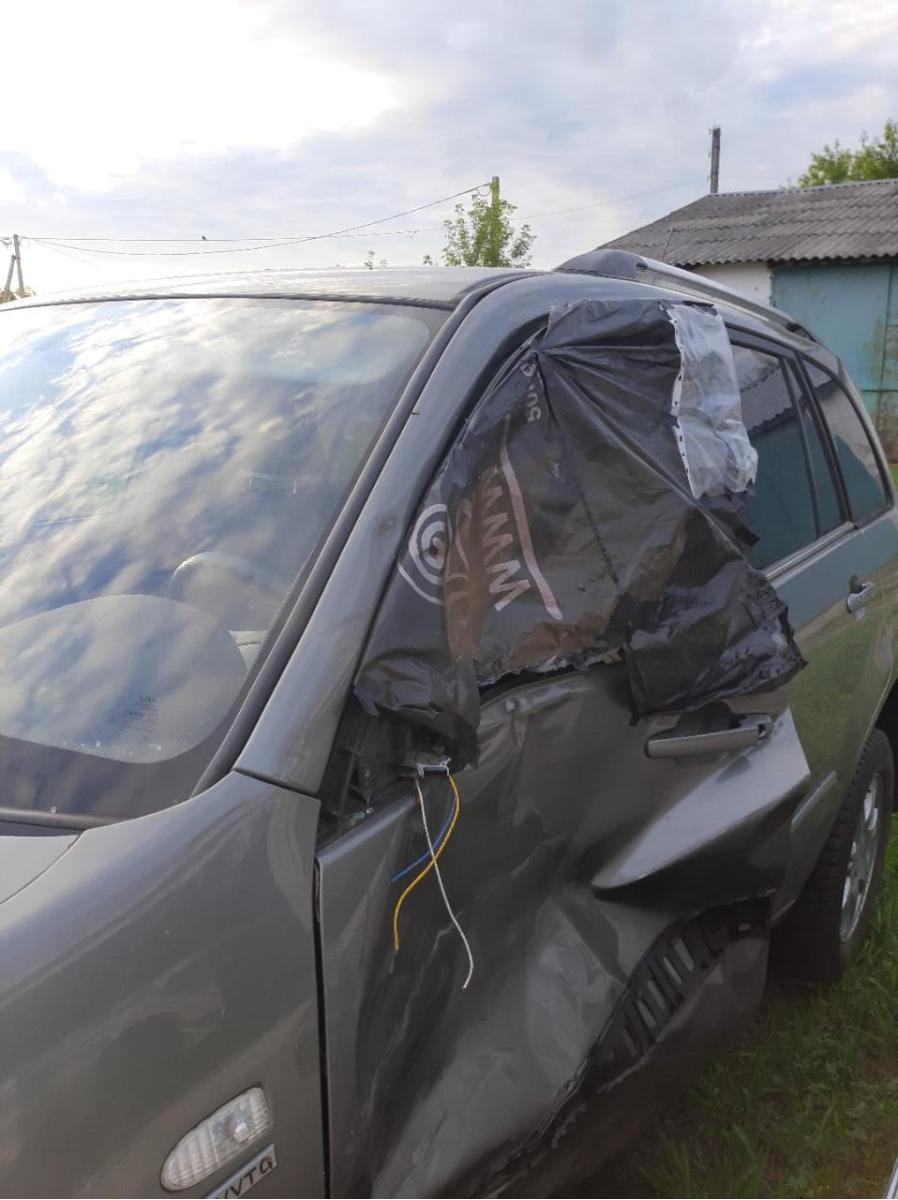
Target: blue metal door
(853, 309)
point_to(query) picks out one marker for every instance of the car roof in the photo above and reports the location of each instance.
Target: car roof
(617, 273)
(441, 286)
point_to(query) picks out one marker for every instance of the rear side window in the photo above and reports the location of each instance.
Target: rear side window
(783, 510)
(857, 460)
(829, 509)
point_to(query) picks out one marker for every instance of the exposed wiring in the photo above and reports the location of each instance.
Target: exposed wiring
(438, 841)
(433, 858)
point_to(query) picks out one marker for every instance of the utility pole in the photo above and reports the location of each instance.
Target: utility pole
(15, 264)
(8, 285)
(715, 159)
(17, 254)
(494, 224)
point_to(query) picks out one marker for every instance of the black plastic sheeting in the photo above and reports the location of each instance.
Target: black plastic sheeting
(566, 524)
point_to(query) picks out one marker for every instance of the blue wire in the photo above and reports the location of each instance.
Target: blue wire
(426, 855)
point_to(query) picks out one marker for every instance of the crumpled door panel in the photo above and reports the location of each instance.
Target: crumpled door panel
(573, 858)
(602, 1121)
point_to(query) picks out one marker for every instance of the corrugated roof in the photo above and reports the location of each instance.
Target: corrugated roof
(837, 221)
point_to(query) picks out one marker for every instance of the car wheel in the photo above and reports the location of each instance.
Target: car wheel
(829, 920)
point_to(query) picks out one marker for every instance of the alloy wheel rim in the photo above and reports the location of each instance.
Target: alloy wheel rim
(861, 860)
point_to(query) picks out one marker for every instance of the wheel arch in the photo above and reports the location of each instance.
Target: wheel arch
(887, 721)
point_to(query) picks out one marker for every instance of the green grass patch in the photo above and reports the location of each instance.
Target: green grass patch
(806, 1104)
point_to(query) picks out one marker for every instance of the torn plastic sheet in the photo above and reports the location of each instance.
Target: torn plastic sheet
(711, 436)
(562, 526)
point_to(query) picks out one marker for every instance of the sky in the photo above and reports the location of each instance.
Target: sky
(284, 119)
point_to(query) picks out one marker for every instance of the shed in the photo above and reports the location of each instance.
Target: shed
(827, 255)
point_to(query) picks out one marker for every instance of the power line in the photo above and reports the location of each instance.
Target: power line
(607, 203)
(79, 247)
(84, 262)
(270, 245)
(260, 238)
(271, 242)
(52, 244)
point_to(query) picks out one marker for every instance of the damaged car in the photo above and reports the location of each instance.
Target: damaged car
(427, 700)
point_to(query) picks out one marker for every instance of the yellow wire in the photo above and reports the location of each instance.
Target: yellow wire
(429, 867)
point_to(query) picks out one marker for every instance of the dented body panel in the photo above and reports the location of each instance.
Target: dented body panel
(573, 855)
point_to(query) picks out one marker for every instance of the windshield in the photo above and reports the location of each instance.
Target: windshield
(167, 470)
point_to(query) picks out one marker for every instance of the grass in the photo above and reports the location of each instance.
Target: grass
(806, 1104)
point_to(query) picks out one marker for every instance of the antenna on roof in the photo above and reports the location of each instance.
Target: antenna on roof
(715, 159)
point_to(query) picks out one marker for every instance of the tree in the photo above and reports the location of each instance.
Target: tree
(484, 235)
(876, 158)
(371, 264)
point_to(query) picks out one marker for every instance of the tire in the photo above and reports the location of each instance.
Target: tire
(828, 922)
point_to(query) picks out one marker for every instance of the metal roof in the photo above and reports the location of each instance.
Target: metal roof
(838, 221)
(442, 286)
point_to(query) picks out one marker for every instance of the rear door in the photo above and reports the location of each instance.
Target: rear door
(868, 496)
(814, 541)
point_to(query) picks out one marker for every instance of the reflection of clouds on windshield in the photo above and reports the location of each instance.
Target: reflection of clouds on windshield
(65, 681)
(137, 435)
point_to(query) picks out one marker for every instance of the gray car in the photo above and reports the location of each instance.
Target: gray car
(425, 699)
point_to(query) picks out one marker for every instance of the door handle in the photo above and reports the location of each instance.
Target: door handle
(860, 593)
(749, 731)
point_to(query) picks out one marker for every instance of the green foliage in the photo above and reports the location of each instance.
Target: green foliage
(370, 264)
(876, 158)
(484, 235)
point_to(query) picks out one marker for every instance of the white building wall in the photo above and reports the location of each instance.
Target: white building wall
(752, 279)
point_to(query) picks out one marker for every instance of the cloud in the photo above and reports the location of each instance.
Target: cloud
(122, 85)
(275, 117)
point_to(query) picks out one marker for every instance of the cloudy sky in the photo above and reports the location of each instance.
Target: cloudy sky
(269, 119)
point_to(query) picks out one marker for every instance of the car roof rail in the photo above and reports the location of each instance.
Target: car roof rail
(625, 264)
(620, 264)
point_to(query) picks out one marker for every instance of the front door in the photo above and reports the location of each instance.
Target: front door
(601, 907)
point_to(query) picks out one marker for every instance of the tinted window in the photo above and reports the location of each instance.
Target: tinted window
(780, 509)
(857, 460)
(167, 470)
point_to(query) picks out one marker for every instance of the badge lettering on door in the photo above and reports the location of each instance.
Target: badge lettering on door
(249, 1174)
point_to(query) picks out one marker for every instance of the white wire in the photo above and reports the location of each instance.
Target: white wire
(436, 868)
